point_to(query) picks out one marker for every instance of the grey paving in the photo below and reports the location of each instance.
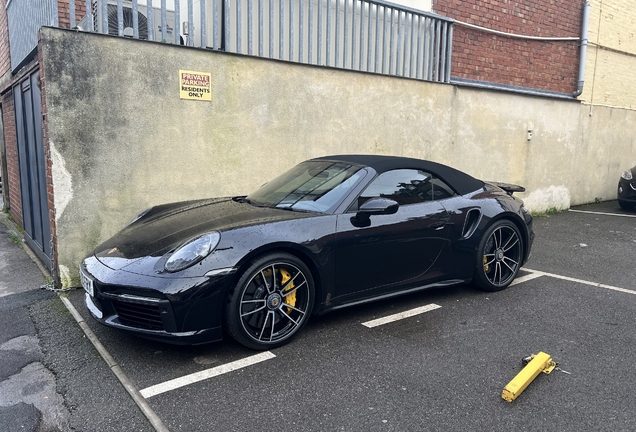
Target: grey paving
(20, 417)
(51, 378)
(28, 397)
(440, 371)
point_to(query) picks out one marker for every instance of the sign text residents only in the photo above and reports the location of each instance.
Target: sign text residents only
(195, 85)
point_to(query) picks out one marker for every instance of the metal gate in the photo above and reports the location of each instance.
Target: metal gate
(35, 209)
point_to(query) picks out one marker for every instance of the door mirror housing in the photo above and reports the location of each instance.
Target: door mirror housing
(372, 207)
(378, 206)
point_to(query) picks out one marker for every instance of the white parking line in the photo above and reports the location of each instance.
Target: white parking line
(206, 374)
(401, 315)
(581, 281)
(525, 278)
(143, 405)
(602, 213)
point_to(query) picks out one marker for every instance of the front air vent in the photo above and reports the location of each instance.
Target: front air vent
(473, 216)
(144, 316)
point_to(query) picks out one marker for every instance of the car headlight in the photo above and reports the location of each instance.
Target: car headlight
(627, 175)
(192, 252)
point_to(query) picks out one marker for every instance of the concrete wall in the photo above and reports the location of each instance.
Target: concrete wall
(121, 139)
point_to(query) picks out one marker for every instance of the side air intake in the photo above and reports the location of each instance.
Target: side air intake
(471, 223)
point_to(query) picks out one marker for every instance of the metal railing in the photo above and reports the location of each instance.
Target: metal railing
(364, 35)
(25, 17)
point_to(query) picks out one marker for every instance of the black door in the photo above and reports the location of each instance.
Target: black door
(35, 209)
(394, 249)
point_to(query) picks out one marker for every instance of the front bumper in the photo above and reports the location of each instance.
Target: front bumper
(174, 310)
(626, 191)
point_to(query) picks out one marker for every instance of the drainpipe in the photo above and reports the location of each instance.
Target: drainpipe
(584, 28)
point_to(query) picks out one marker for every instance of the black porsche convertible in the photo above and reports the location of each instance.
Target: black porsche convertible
(331, 232)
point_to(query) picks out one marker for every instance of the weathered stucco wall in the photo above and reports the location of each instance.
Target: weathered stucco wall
(121, 139)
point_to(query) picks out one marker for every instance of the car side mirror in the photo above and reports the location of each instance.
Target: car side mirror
(372, 207)
(378, 206)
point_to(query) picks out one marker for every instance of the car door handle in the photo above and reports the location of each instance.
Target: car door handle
(437, 225)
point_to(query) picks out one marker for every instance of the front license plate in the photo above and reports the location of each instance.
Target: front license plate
(87, 283)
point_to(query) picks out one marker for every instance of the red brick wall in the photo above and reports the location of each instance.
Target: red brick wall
(11, 145)
(535, 64)
(64, 15)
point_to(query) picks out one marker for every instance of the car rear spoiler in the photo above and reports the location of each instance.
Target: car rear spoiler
(509, 188)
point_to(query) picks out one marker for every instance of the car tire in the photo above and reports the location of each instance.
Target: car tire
(626, 205)
(499, 256)
(264, 312)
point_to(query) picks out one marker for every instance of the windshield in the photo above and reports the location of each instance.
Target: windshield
(309, 186)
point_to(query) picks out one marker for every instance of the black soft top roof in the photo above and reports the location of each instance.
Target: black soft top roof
(461, 182)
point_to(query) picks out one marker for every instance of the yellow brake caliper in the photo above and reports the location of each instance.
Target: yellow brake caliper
(486, 266)
(290, 299)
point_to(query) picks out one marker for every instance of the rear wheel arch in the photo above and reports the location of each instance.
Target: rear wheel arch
(503, 260)
(519, 223)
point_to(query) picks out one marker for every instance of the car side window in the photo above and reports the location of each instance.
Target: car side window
(406, 186)
(440, 190)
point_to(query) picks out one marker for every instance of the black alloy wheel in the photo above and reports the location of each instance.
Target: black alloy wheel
(499, 256)
(271, 301)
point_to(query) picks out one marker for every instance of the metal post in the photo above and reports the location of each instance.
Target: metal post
(328, 43)
(177, 20)
(310, 40)
(443, 52)
(226, 25)
(377, 38)
(319, 32)
(260, 28)
(190, 24)
(291, 30)
(215, 20)
(151, 28)
(271, 28)
(239, 30)
(89, 14)
(346, 34)
(353, 35)
(204, 25)
(301, 30)
(281, 30)
(71, 11)
(164, 22)
(250, 23)
(104, 8)
(384, 40)
(369, 37)
(449, 56)
(361, 59)
(337, 32)
(418, 60)
(120, 18)
(135, 12)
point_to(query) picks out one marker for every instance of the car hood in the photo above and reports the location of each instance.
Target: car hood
(163, 228)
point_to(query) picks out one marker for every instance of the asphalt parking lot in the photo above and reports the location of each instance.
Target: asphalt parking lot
(443, 369)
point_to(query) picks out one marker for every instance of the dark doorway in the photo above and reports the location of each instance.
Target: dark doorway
(33, 187)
